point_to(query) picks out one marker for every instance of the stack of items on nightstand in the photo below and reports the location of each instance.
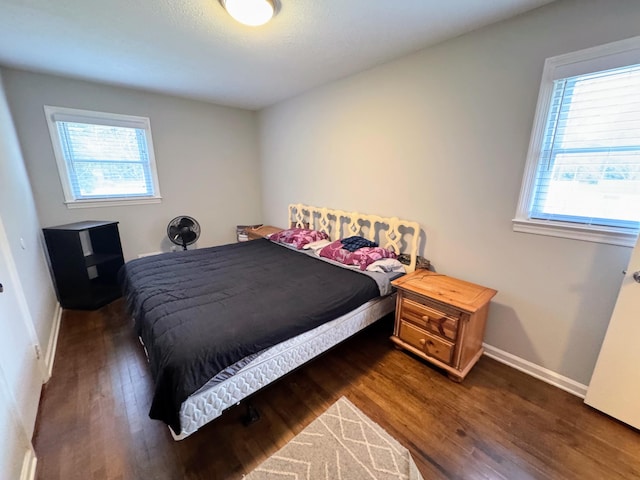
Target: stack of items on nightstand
(242, 231)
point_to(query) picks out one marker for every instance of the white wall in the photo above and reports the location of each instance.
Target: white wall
(18, 213)
(440, 137)
(28, 304)
(20, 372)
(206, 155)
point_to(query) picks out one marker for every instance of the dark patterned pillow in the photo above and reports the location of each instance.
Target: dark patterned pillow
(354, 243)
(362, 258)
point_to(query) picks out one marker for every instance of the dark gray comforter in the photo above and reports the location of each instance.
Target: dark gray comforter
(200, 311)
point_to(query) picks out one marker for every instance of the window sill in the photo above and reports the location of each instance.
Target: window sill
(112, 203)
(608, 235)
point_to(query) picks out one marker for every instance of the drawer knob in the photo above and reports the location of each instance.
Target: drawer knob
(423, 341)
(437, 321)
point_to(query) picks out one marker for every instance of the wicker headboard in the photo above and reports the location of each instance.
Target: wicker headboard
(389, 232)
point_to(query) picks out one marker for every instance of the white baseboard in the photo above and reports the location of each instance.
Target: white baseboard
(148, 254)
(536, 371)
(29, 465)
(53, 342)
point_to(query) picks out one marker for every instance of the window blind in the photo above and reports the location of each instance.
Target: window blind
(105, 161)
(589, 166)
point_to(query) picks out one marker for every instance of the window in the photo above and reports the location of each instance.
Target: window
(103, 158)
(582, 178)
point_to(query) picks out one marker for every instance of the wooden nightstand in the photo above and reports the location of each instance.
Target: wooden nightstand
(261, 232)
(441, 319)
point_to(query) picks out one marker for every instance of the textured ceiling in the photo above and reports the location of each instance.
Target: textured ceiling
(192, 48)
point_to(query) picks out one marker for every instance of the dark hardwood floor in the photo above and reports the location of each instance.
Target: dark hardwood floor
(498, 424)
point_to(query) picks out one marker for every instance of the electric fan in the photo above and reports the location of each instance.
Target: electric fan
(183, 231)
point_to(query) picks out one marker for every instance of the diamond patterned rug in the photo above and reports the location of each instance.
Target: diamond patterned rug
(341, 444)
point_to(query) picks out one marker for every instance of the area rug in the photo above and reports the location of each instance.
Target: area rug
(341, 444)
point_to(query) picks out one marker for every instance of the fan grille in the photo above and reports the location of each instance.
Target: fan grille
(183, 230)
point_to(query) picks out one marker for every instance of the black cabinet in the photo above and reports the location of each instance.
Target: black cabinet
(85, 258)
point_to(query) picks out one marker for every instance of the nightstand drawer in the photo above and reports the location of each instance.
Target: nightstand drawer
(431, 320)
(441, 307)
(431, 345)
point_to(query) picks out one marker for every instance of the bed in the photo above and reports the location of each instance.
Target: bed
(219, 323)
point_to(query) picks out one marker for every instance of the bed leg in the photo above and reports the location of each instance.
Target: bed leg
(252, 415)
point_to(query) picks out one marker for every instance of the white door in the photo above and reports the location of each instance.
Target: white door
(615, 384)
(20, 374)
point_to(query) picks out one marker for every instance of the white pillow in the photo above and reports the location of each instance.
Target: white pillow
(315, 247)
(386, 265)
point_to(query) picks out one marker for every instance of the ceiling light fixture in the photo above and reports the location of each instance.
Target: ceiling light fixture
(251, 12)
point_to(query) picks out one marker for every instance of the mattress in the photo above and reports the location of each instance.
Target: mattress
(200, 311)
(210, 402)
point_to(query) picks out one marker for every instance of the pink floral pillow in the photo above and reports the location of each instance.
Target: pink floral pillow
(361, 258)
(298, 237)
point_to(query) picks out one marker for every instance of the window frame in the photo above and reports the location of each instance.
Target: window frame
(603, 57)
(55, 114)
